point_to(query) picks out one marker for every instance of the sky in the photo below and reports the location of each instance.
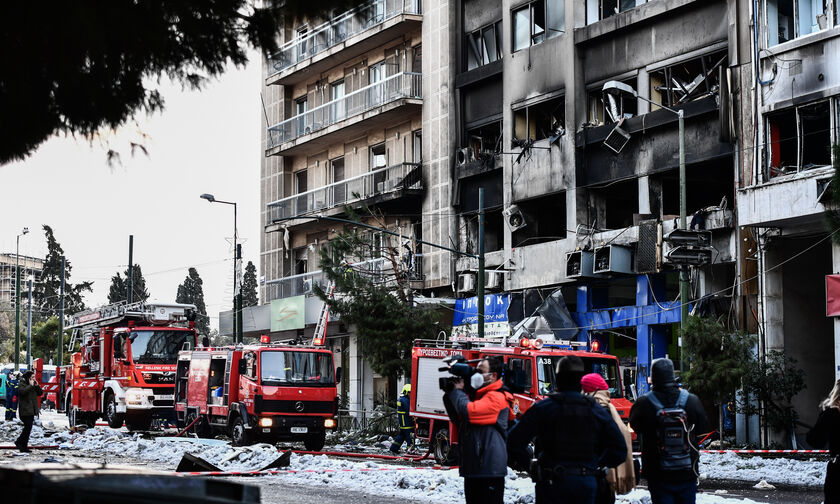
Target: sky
(204, 141)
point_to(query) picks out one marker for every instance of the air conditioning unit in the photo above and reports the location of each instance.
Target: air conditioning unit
(466, 282)
(464, 156)
(613, 259)
(494, 280)
(580, 264)
(617, 139)
(514, 218)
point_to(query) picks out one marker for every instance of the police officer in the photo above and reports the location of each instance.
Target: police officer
(11, 396)
(406, 422)
(574, 436)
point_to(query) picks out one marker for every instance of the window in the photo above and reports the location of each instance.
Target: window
(417, 137)
(611, 107)
(597, 10)
(300, 188)
(300, 113)
(542, 120)
(789, 19)
(522, 375)
(687, 81)
(417, 62)
(486, 139)
(799, 139)
(377, 157)
(537, 21)
(300, 35)
(339, 191)
(337, 109)
(296, 368)
(484, 46)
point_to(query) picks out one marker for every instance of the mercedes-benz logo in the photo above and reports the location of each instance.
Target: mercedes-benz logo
(299, 406)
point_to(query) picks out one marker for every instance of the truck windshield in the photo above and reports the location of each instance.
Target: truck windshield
(607, 368)
(296, 368)
(157, 347)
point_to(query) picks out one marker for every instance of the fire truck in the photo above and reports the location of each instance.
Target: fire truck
(530, 363)
(266, 392)
(125, 368)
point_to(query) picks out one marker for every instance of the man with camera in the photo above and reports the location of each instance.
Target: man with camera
(28, 408)
(573, 435)
(482, 430)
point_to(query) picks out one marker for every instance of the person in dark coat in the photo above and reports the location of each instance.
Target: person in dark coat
(28, 408)
(574, 437)
(827, 432)
(667, 486)
(482, 431)
(406, 422)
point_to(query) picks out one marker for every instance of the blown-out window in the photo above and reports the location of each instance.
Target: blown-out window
(789, 19)
(799, 138)
(541, 120)
(484, 46)
(536, 22)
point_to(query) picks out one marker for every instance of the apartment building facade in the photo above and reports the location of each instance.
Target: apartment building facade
(581, 184)
(28, 266)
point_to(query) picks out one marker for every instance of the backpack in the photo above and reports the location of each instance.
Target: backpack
(672, 434)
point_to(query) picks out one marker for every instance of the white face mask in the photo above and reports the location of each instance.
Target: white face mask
(477, 381)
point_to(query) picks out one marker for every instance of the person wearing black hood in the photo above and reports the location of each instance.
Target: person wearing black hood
(669, 467)
(574, 437)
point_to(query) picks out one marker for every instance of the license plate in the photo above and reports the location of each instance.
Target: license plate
(266, 430)
(170, 397)
(299, 430)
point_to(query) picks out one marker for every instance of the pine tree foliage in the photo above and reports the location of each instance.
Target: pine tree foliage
(191, 291)
(249, 286)
(118, 291)
(773, 383)
(45, 292)
(45, 341)
(378, 305)
(83, 68)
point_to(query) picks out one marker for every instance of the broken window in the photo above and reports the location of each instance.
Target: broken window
(602, 9)
(486, 139)
(542, 120)
(494, 231)
(544, 218)
(686, 81)
(613, 206)
(484, 46)
(611, 107)
(799, 139)
(538, 21)
(789, 19)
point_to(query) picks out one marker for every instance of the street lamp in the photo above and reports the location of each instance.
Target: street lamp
(616, 87)
(237, 268)
(17, 297)
(29, 281)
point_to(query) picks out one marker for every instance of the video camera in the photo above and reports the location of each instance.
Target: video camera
(459, 369)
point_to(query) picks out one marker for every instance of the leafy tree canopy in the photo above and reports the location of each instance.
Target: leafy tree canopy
(773, 382)
(85, 67)
(119, 288)
(46, 290)
(249, 286)
(191, 291)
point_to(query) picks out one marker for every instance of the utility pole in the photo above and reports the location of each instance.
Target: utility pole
(29, 327)
(17, 298)
(480, 287)
(129, 287)
(684, 269)
(61, 315)
(238, 293)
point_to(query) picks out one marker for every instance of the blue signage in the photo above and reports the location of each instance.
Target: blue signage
(495, 309)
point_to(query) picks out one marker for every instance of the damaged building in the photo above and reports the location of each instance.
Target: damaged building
(565, 113)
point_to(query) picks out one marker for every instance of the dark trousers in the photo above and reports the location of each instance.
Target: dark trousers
(402, 437)
(23, 439)
(668, 492)
(572, 489)
(484, 490)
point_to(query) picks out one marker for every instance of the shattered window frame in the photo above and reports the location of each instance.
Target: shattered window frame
(781, 27)
(530, 117)
(476, 46)
(538, 13)
(598, 10)
(692, 79)
(779, 142)
(596, 109)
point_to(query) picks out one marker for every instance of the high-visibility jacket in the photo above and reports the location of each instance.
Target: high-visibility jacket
(406, 422)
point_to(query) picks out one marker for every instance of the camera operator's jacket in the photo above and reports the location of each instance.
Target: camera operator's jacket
(28, 399)
(482, 430)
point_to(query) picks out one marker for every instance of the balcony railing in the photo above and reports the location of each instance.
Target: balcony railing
(378, 270)
(339, 29)
(401, 85)
(345, 192)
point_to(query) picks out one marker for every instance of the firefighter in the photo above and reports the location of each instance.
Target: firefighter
(28, 392)
(11, 396)
(574, 437)
(406, 422)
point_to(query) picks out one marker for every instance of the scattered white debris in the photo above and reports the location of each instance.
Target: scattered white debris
(786, 471)
(763, 485)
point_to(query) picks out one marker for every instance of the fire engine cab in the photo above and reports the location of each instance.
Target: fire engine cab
(530, 363)
(266, 392)
(125, 369)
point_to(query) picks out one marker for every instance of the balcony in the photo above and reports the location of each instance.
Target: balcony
(352, 33)
(376, 105)
(385, 184)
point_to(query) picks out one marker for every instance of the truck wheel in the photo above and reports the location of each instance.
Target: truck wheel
(138, 422)
(115, 420)
(445, 454)
(238, 433)
(315, 442)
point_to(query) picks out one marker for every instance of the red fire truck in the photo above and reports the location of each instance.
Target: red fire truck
(270, 392)
(531, 362)
(125, 369)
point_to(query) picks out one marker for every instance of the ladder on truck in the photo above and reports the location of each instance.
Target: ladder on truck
(319, 337)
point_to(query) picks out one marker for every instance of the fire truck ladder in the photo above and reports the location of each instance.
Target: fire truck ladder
(227, 377)
(324, 318)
